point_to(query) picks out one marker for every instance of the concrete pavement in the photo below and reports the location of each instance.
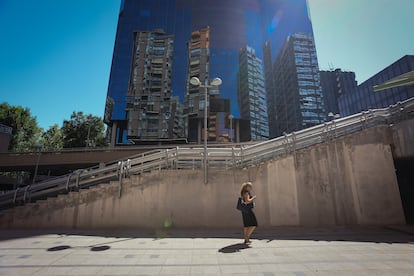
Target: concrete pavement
(279, 251)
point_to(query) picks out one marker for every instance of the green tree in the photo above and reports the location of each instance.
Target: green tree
(83, 130)
(52, 139)
(25, 129)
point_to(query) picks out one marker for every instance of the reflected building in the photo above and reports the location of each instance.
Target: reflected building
(335, 83)
(298, 98)
(198, 66)
(151, 110)
(194, 100)
(252, 94)
(270, 89)
(364, 97)
(232, 25)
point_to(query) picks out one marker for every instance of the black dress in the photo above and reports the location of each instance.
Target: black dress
(249, 218)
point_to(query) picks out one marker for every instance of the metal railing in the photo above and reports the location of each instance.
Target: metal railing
(192, 157)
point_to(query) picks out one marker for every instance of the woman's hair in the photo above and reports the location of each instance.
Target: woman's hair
(244, 187)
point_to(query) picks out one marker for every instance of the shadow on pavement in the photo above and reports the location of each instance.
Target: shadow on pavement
(233, 248)
(92, 248)
(59, 248)
(96, 247)
(100, 248)
(374, 234)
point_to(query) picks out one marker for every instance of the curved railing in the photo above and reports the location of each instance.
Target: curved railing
(193, 157)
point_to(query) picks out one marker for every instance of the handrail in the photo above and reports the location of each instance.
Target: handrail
(224, 157)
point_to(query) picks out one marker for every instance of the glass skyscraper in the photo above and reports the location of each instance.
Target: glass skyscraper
(232, 24)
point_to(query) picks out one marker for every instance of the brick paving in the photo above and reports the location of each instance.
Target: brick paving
(279, 251)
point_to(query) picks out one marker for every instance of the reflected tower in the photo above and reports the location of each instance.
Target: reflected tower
(232, 25)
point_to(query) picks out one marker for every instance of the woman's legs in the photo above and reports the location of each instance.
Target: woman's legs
(250, 230)
(245, 232)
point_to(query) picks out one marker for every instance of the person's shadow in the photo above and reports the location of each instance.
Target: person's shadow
(234, 248)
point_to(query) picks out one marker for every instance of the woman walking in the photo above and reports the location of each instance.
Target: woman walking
(249, 218)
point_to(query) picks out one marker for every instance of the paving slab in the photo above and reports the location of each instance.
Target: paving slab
(278, 251)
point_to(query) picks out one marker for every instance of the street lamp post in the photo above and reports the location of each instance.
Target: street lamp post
(38, 147)
(196, 82)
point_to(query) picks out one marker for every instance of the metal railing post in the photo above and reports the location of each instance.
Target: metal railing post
(128, 167)
(68, 181)
(286, 142)
(142, 164)
(364, 120)
(78, 179)
(120, 172)
(233, 157)
(160, 166)
(177, 158)
(294, 142)
(241, 156)
(25, 193)
(15, 195)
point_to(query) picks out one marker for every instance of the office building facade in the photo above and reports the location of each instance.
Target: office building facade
(298, 98)
(252, 94)
(334, 84)
(232, 25)
(364, 98)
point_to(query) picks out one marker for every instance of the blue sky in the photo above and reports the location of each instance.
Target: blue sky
(363, 36)
(56, 54)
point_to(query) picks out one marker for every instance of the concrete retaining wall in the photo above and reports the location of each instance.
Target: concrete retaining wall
(350, 181)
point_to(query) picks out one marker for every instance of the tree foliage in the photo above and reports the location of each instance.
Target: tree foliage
(25, 129)
(83, 130)
(52, 139)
